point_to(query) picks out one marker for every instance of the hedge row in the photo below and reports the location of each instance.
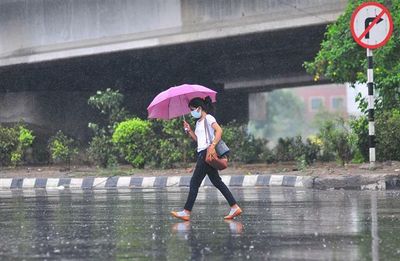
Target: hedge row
(164, 144)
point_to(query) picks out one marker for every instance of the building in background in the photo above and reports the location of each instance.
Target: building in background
(329, 97)
(273, 114)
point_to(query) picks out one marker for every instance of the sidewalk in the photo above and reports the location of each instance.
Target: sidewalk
(322, 176)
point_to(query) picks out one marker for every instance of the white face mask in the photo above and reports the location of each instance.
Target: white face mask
(196, 113)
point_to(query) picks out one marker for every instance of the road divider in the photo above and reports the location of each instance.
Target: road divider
(358, 182)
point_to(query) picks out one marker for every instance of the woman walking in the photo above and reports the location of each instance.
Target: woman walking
(199, 109)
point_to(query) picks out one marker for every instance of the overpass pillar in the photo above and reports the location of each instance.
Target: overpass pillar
(257, 106)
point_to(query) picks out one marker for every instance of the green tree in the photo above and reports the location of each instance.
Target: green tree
(342, 60)
(285, 116)
(285, 113)
(102, 151)
(109, 103)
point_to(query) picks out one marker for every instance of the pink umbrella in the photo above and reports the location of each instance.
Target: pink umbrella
(174, 101)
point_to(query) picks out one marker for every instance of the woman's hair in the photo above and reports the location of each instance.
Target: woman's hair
(205, 104)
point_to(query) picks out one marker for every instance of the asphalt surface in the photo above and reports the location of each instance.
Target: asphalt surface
(277, 224)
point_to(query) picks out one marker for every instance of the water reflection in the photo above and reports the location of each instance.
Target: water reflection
(278, 223)
(374, 228)
(236, 227)
(184, 228)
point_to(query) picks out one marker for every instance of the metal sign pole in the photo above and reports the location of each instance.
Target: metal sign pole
(371, 105)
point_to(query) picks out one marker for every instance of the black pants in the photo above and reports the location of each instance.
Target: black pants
(202, 168)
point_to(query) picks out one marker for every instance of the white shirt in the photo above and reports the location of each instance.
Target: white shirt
(202, 142)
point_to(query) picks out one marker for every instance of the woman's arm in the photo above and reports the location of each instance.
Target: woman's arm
(217, 133)
(192, 135)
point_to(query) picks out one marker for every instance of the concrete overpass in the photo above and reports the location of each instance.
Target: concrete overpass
(55, 54)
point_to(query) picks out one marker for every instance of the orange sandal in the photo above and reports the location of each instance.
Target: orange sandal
(234, 213)
(181, 215)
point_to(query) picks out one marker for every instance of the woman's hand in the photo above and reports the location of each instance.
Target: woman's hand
(187, 127)
(211, 149)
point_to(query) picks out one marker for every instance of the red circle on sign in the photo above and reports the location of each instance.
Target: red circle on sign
(353, 17)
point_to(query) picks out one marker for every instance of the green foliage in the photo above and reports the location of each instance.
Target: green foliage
(102, 150)
(25, 137)
(244, 147)
(62, 148)
(132, 140)
(284, 118)
(353, 143)
(25, 140)
(359, 127)
(338, 139)
(16, 158)
(387, 135)
(8, 143)
(171, 144)
(13, 143)
(301, 162)
(342, 60)
(168, 153)
(285, 114)
(109, 104)
(294, 149)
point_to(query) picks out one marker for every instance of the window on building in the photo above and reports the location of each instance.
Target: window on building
(337, 103)
(316, 104)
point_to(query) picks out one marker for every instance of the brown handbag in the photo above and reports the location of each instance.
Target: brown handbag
(213, 160)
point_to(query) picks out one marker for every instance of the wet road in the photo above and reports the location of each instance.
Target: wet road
(278, 224)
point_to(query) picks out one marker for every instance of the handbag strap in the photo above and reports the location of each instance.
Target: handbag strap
(207, 130)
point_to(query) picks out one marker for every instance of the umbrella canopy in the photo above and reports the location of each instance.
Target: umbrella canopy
(174, 101)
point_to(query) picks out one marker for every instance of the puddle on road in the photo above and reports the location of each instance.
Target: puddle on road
(278, 223)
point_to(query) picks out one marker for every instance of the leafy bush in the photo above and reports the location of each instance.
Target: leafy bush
(25, 140)
(359, 127)
(132, 140)
(388, 135)
(13, 143)
(244, 147)
(285, 149)
(8, 143)
(102, 151)
(311, 151)
(25, 137)
(62, 148)
(338, 139)
(174, 145)
(168, 153)
(293, 149)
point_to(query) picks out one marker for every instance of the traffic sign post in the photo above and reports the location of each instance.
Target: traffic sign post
(371, 26)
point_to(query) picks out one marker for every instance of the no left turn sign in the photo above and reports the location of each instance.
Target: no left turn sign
(371, 25)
